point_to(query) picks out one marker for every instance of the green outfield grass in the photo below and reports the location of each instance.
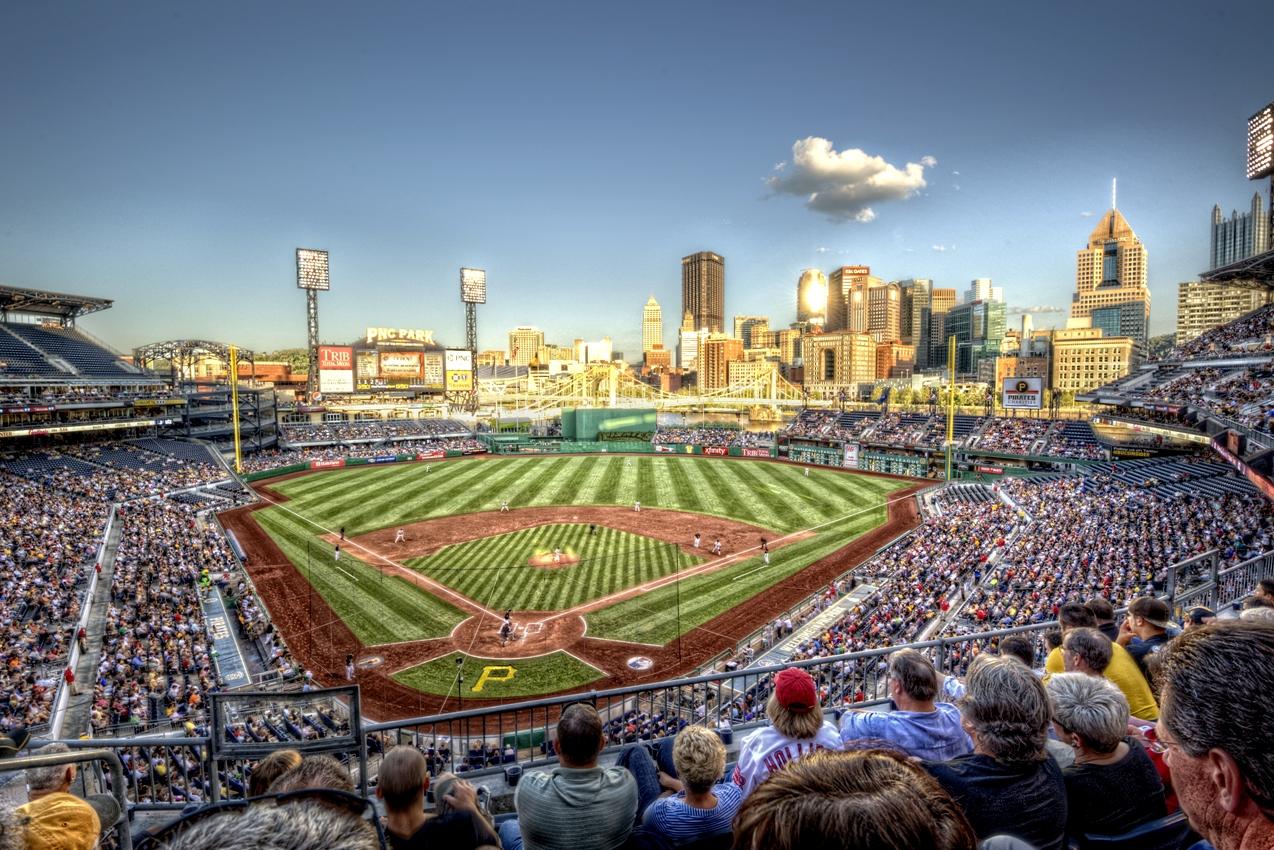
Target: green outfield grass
(557, 671)
(377, 608)
(836, 505)
(495, 572)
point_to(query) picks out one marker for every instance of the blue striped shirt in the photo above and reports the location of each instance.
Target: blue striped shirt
(679, 822)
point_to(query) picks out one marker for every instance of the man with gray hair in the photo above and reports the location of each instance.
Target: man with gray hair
(1112, 786)
(1216, 681)
(294, 826)
(54, 783)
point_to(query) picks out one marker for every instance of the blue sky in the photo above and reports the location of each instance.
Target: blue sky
(171, 156)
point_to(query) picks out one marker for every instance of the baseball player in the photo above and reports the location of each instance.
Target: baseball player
(336, 555)
(716, 546)
(504, 506)
(349, 668)
(400, 536)
(557, 554)
(637, 506)
(696, 540)
(765, 551)
(506, 630)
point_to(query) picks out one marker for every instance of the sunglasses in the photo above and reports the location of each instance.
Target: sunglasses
(343, 801)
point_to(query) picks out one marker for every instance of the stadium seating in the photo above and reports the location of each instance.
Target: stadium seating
(83, 356)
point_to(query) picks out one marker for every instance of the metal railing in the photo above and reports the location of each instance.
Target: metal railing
(116, 783)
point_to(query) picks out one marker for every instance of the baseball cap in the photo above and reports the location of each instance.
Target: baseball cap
(11, 743)
(60, 822)
(1153, 611)
(795, 690)
(1200, 615)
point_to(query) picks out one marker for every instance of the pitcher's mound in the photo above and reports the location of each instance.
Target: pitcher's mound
(548, 561)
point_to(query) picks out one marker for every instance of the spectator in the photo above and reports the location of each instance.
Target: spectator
(918, 726)
(60, 820)
(1104, 614)
(270, 768)
(1216, 680)
(1008, 784)
(1113, 786)
(1123, 670)
(796, 729)
(1145, 629)
(1086, 651)
(1258, 613)
(1200, 615)
(302, 825)
(863, 799)
(1265, 590)
(577, 806)
(314, 772)
(404, 779)
(56, 780)
(703, 805)
(1016, 646)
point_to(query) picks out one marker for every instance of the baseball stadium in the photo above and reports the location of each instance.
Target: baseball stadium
(877, 570)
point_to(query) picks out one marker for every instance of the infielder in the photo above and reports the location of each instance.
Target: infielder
(400, 536)
(716, 546)
(696, 540)
(504, 506)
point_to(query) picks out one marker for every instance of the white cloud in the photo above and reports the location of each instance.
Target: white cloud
(822, 249)
(956, 173)
(845, 184)
(942, 249)
(1086, 214)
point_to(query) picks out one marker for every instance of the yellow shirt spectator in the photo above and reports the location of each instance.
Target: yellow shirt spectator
(1123, 671)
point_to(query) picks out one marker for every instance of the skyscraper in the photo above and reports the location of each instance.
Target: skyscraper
(884, 312)
(811, 297)
(1203, 305)
(942, 299)
(847, 298)
(652, 325)
(916, 294)
(716, 354)
(703, 290)
(744, 325)
(524, 344)
(1240, 236)
(1111, 272)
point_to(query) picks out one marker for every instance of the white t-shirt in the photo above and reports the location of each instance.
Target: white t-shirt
(768, 750)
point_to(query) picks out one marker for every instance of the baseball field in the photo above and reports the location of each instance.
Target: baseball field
(591, 559)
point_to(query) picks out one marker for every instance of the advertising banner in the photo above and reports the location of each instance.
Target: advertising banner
(336, 369)
(851, 455)
(716, 451)
(756, 452)
(459, 370)
(430, 455)
(989, 470)
(1022, 394)
(399, 365)
(659, 447)
(1260, 482)
(327, 464)
(383, 459)
(433, 373)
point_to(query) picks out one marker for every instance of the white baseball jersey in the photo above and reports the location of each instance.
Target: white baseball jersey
(767, 750)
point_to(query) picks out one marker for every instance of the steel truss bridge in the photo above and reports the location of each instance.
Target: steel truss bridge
(606, 385)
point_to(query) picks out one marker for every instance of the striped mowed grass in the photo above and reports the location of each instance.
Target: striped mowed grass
(837, 505)
(495, 571)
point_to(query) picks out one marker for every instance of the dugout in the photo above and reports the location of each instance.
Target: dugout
(592, 424)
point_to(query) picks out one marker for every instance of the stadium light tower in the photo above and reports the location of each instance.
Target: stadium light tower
(312, 276)
(473, 291)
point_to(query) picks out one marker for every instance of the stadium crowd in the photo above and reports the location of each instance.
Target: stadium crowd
(1250, 334)
(707, 436)
(1012, 435)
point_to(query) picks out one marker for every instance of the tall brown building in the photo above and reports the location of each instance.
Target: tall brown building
(703, 290)
(941, 300)
(847, 298)
(719, 351)
(884, 312)
(1110, 280)
(838, 360)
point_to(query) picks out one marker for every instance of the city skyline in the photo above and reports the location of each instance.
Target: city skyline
(153, 189)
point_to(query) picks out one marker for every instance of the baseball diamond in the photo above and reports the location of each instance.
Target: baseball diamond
(430, 566)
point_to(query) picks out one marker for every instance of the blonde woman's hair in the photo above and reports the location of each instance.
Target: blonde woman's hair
(800, 725)
(699, 756)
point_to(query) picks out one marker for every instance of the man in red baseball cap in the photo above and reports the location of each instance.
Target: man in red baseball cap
(797, 729)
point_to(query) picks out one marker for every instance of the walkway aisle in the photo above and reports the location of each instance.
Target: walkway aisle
(78, 708)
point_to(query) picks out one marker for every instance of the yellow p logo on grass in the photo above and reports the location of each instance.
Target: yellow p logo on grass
(501, 673)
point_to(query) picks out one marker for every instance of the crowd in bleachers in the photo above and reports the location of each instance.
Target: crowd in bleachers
(1074, 439)
(1250, 334)
(899, 429)
(48, 543)
(707, 436)
(815, 424)
(362, 430)
(1012, 435)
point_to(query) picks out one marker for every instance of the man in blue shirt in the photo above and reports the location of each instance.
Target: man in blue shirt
(919, 726)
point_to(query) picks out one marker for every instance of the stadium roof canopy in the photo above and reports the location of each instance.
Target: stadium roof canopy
(1257, 270)
(41, 302)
